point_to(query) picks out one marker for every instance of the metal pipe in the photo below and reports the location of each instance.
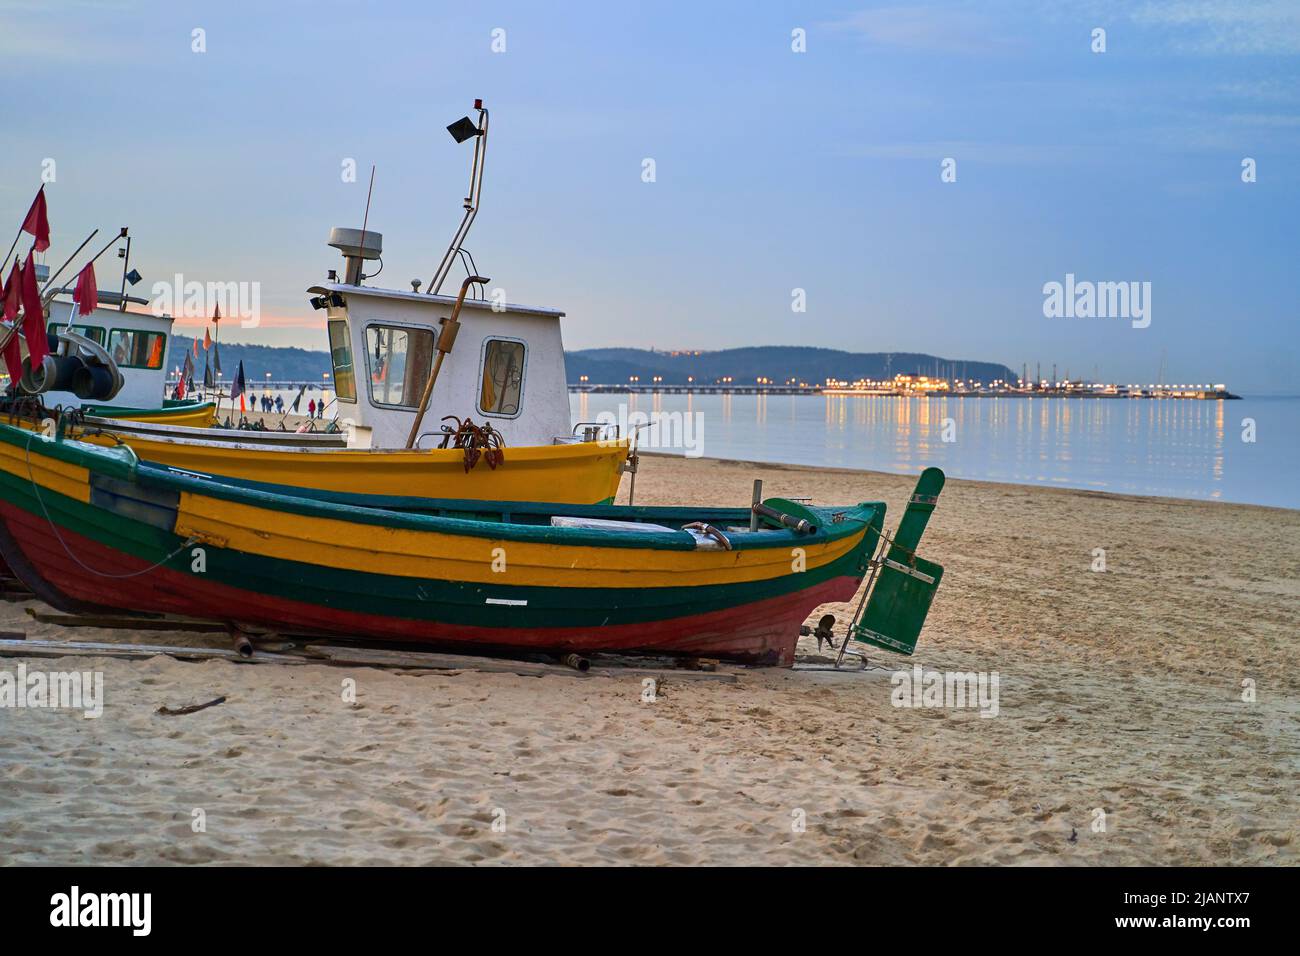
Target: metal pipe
(126, 264)
(577, 662)
(69, 259)
(798, 525)
(471, 202)
(446, 340)
(46, 294)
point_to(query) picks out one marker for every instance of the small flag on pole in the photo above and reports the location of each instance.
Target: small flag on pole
(12, 296)
(86, 295)
(207, 340)
(237, 387)
(38, 342)
(38, 222)
(208, 381)
(187, 377)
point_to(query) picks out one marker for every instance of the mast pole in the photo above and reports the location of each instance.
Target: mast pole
(471, 201)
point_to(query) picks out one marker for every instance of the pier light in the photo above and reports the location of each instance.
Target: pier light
(690, 378)
(582, 378)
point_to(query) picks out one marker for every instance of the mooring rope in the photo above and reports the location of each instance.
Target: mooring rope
(36, 490)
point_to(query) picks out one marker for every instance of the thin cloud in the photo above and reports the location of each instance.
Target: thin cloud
(936, 29)
(1239, 27)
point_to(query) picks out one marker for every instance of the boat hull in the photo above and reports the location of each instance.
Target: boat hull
(575, 473)
(188, 414)
(179, 545)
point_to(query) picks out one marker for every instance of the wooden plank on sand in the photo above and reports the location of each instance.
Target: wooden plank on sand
(418, 660)
(30, 648)
(127, 623)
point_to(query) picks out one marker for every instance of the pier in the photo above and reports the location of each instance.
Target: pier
(915, 386)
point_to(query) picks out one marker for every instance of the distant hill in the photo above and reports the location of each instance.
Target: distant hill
(284, 364)
(777, 362)
(616, 366)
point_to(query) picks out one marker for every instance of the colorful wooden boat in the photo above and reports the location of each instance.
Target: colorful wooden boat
(585, 472)
(175, 413)
(85, 526)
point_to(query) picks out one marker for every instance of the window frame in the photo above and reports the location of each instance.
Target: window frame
(54, 328)
(370, 382)
(482, 371)
(334, 369)
(108, 347)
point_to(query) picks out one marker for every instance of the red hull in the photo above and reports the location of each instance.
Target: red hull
(765, 631)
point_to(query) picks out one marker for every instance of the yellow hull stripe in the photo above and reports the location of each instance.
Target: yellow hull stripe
(579, 474)
(404, 552)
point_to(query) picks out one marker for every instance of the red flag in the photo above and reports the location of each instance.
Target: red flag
(38, 343)
(196, 348)
(86, 295)
(207, 339)
(12, 294)
(12, 354)
(38, 222)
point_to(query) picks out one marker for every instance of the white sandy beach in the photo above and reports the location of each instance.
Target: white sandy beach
(1119, 691)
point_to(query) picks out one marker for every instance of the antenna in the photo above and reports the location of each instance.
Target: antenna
(462, 130)
(365, 220)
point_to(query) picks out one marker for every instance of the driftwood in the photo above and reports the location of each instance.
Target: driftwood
(191, 709)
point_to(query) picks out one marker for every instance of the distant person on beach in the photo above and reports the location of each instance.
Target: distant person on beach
(279, 404)
(311, 408)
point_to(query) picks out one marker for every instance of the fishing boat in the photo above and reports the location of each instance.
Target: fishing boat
(502, 432)
(87, 527)
(108, 362)
(137, 342)
(488, 421)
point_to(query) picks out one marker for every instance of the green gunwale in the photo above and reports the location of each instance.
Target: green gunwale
(126, 411)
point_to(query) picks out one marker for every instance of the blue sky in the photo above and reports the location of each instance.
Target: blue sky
(775, 170)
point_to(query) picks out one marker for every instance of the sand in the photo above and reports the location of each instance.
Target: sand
(1120, 693)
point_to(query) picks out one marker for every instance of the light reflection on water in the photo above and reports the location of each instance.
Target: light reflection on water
(1170, 447)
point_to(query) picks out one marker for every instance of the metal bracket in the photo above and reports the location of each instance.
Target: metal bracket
(909, 570)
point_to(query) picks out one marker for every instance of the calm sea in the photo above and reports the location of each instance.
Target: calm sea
(1176, 448)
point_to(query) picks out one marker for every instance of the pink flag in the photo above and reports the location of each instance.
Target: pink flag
(38, 222)
(38, 343)
(86, 295)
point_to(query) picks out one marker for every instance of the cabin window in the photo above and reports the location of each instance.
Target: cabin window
(345, 385)
(503, 378)
(135, 348)
(399, 360)
(92, 332)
